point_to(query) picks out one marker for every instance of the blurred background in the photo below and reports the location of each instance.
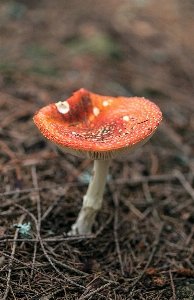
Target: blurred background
(49, 49)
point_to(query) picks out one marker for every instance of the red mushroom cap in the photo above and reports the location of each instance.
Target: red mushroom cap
(99, 127)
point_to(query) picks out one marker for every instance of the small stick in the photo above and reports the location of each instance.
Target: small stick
(51, 295)
(15, 115)
(51, 240)
(60, 280)
(131, 182)
(45, 252)
(65, 266)
(11, 259)
(49, 259)
(54, 204)
(99, 231)
(116, 203)
(95, 292)
(141, 179)
(179, 247)
(11, 154)
(35, 183)
(185, 183)
(12, 293)
(155, 244)
(28, 160)
(147, 192)
(172, 286)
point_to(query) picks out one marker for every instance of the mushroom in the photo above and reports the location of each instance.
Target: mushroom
(100, 128)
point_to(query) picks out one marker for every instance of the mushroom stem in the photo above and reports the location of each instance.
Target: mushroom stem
(92, 201)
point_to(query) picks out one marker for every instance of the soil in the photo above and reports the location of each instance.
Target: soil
(142, 243)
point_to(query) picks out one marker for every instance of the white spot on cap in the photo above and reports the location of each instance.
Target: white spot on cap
(63, 107)
(105, 103)
(96, 111)
(126, 118)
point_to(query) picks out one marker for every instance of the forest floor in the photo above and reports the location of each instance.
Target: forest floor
(142, 243)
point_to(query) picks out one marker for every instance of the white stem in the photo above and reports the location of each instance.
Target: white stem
(92, 201)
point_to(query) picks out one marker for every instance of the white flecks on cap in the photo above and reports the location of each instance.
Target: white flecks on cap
(126, 118)
(63, 107)
(105, 103)
(96, 111)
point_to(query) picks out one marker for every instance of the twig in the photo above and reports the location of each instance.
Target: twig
(23, 111)
(65, 293)
(65, 266)
(130, 182)
(36, 270)
(134, 209)
(54, 204)
(16, 283)
(116, 203)
(172, 286)
(12, 293)
(62, 275)
(174, 138)
(189, 237)
(185, 183)
(11, 259)
(147, 192)
(51, 240)
(50, 294)
(99, 231)
(35, 183)
(155, 244)
(11, 154)
(44, 250)
(28, 160)
(179, 247)
(141, 179)
(8, 203)
(181, 206)
(95, 292)
(48, 257)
